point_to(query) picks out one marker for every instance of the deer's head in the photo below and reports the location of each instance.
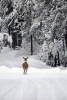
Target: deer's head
(25, 59)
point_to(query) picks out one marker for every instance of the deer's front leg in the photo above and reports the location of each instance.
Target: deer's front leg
(24, 71)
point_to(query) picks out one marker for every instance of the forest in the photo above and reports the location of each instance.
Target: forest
(38, 26)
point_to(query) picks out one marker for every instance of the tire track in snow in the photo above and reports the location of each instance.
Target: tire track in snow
(30, 90)
(50, 90)
(33, 88)
(42, 90)
(10, 88)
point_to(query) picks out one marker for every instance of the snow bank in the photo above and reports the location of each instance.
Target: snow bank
(31, 71)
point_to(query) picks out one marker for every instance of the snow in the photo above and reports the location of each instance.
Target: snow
(35, 85)
(2, 34)
(10, 39)
(1, 37)
(41, 82)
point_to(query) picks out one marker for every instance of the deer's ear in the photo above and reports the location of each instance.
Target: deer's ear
(23, 57)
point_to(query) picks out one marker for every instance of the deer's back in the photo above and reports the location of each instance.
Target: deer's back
(25, 65)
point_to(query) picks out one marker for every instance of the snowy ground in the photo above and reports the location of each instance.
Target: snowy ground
(40, 83)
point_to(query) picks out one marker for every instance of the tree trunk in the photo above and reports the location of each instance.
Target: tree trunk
(64, 46)
(31, 45)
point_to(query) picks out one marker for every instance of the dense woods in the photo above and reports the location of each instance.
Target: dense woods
(42, 22)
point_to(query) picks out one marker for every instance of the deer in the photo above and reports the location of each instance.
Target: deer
(25, 65)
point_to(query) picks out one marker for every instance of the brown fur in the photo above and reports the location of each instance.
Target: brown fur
(25, 65)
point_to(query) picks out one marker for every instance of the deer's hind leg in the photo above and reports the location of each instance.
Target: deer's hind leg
(24, 71)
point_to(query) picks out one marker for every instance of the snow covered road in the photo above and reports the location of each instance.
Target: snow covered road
(36, 85)
(41, 83)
